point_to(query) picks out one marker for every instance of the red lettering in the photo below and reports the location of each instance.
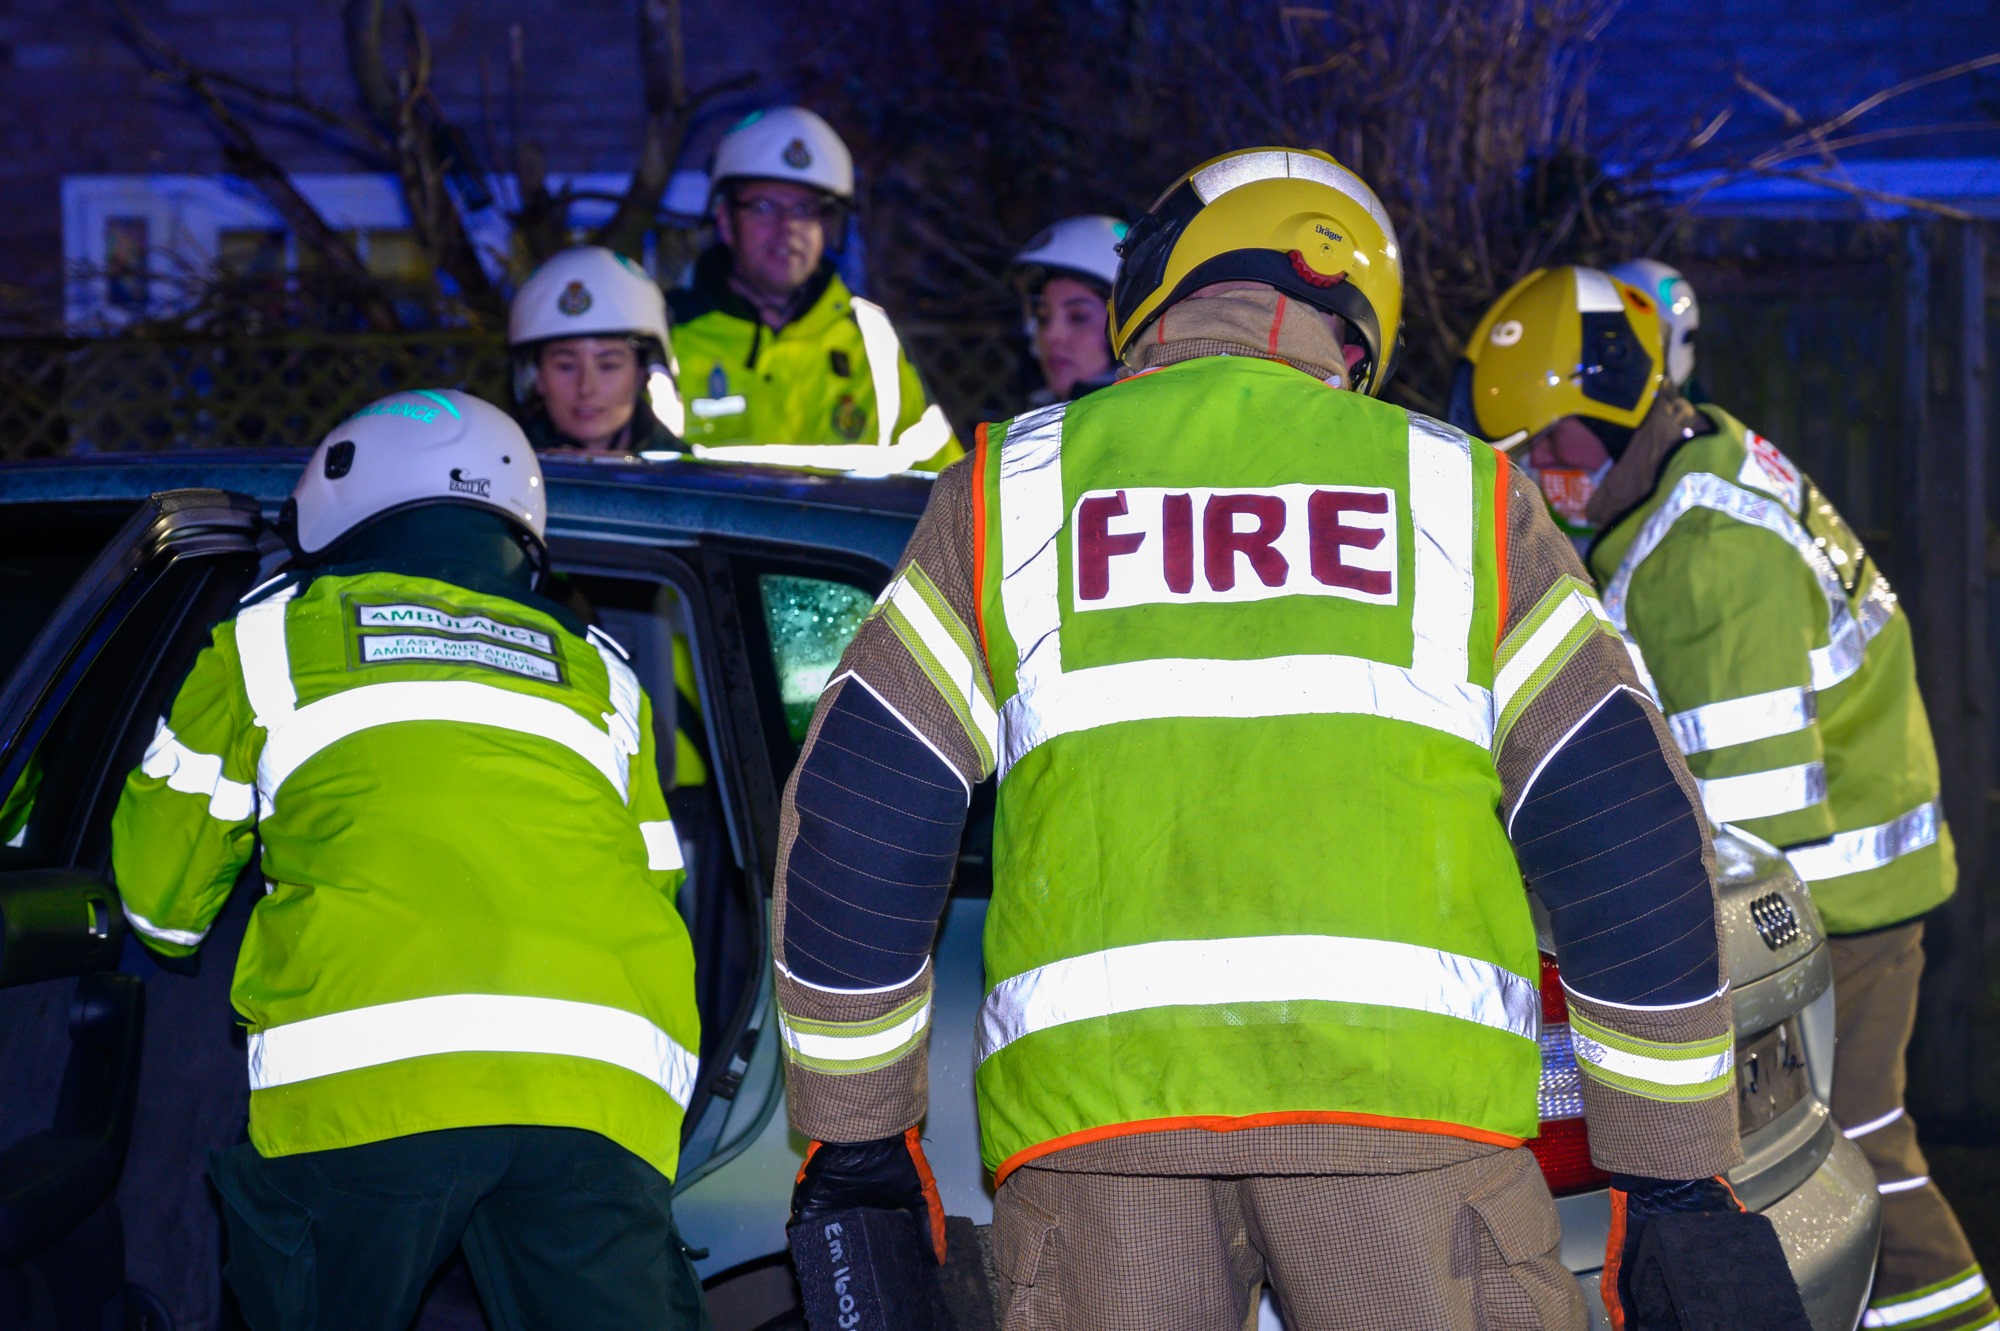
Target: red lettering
(1221, 542)
(1096, 544)
(1326, 535)
(1177, 523)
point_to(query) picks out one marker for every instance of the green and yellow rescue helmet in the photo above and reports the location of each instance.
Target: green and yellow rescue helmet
(1561, 342)
(1290, 218)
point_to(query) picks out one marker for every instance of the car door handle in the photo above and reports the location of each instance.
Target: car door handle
(57, 922)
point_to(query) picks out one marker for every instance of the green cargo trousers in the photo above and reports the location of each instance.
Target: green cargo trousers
(561, 1227)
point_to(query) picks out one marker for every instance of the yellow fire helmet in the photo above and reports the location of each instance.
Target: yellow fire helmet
(1561, 342)
(1290, 218)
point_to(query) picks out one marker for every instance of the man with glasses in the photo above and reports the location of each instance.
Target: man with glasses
(780, 362)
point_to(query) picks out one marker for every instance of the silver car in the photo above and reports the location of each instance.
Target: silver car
(111, 569)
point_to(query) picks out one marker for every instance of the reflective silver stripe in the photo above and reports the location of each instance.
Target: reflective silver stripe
(1031, 520)
(1441, 514)
(318, 725)
(1744, 720)
(663, 846)
(265, 660)
(1867, 848)
(1896, 1312)
(1832, 663)
(1434, 691)
(160, 933)
(1903, 1185)
(879, 344)
(194, 773)
(1270, 686)
(1735, 799)
(469, 1024)
(1281, 968)
(1873, 1124)
(862, 459)
(1240, 169)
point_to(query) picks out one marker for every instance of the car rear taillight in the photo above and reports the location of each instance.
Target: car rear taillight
(1563, 1149)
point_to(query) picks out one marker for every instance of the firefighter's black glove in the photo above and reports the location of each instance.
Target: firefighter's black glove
(1684, 1255)
(888, 1174)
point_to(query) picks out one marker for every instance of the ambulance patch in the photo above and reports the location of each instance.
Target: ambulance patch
(1145, 546)
(468, 626)
(1765, 468)
(382, 647)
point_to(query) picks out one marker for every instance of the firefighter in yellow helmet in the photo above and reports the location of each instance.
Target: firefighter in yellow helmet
(1258, 665)
(1786, 667)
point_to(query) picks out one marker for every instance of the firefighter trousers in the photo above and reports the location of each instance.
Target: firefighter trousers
(1468, 1247)
(1927, 1274)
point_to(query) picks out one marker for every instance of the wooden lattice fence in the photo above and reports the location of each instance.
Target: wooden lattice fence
(60, 396)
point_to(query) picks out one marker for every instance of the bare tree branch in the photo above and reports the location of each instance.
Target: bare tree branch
(248, 157)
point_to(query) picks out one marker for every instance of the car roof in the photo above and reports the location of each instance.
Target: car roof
(616, 499)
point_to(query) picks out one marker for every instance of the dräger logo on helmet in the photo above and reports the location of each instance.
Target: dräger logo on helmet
(471, 485)
(1143, 546)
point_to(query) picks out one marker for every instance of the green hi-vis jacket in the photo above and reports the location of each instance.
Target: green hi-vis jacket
(1290, 844)
(832, 388)
(469, 867)
(1786, 671)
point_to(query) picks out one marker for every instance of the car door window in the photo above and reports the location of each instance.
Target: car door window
(44, 549)
(809, 622)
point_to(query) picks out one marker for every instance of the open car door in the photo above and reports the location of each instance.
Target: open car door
(76, 713)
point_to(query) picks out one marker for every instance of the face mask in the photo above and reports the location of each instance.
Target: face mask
(1567, 490)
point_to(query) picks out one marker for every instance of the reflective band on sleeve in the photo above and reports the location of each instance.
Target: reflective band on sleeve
(843, 1048)
(622, 722)
(1867, 848)
(1277, 969)
(1927, 1302)
(663, 846)
(180, 937)
(320, 724)
(1655, 1070)
(469, 1024)
(194, 773)
(1873, 1124)
(1541, 645)
(1903, 1185)
(1735, 799)
(885, 353)
(1744, 720)
(942, 646)
(1434, 691)
(266, 661)
(1846, 639)
(1272, 686)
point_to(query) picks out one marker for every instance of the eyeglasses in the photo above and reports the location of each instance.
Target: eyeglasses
(770, 210)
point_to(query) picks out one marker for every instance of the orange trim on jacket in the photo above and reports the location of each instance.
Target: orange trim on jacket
(1229, 1123)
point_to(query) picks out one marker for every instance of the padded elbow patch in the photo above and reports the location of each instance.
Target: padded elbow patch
(880, 815)
(1610, 843)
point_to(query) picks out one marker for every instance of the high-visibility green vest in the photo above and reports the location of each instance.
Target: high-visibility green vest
(469, 865)
(833, 388)
(1786, 670)
(1247, 861)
